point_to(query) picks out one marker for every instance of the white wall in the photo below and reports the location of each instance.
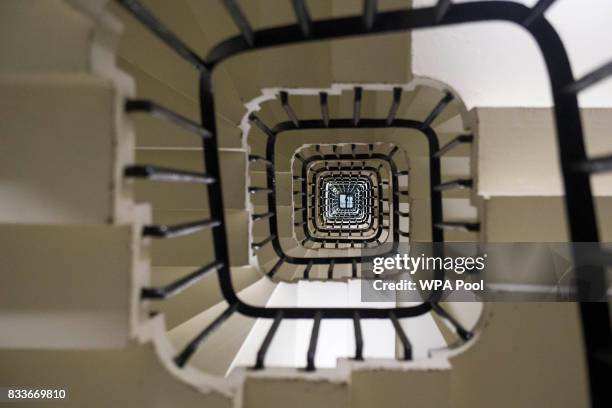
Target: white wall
(336, 337)
(498, 64)
(282, 349)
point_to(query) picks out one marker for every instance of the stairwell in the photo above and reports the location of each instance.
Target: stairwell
(72, 306)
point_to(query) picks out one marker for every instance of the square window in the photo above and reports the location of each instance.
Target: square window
(346, 201)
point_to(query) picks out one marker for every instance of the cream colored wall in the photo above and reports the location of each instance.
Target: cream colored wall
(263, 393)
(133, 377)
(57, 168)
(533, 351)
(518, 154)
(528, 355)
(368, 59)
(427, 387)
(65, 286)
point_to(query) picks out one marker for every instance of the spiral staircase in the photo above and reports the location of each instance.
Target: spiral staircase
(189, 230)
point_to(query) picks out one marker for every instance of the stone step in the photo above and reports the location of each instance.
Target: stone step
(284, 215)
(424, 102)
(197, 298)
(69, 287)
(284, 188)
(450, 125)
(152, 132)
(215, 355)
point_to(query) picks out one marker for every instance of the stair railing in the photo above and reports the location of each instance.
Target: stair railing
(576, 167)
